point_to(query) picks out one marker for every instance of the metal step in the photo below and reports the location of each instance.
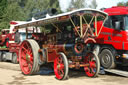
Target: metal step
(118, 72)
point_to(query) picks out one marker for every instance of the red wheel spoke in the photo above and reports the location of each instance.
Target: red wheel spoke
(31, 59)
(91, 69)
(23, 53)
(27, 69)
(92, 64)
(61, 66)
(61, 60)
(57, 60)
(86, 69)
(26, 44)
(24, 58)
(62, 72)
(30, 52)
(59, 72)
(25, 49)
(30, 66)
(30, 62)
(25, 65)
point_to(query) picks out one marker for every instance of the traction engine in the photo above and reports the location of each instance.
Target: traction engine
(64, 41)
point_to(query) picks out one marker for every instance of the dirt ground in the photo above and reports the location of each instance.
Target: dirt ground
(10, 74)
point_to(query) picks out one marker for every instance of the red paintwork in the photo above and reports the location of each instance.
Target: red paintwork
(119, 38)
(59, 67)
(13, 22)
(14, 47)
(5, 37)
(121, 10)
(91, 69)
(51, 54)
(26, 58)
(39, 36)
(79, 47)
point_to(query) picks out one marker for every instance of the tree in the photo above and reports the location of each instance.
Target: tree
(33, 6)
(3, 5)
(126, 3)
(21, 10)
(76, 4)
(12, 12)
(122, 4)
(93, 4)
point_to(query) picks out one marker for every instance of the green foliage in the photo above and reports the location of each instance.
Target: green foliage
(3, 5)
(126, 4)
(77, 4)
(93, 4)
(21, 10)
(12, 12)
(122, 4)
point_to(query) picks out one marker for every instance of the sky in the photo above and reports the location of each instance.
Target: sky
(101, 3)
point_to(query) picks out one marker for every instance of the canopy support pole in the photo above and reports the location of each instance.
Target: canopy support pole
(74, 26)
(81, 26)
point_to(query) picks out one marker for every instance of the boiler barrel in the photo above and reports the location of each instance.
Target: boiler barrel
(75, 49)
(67, 48)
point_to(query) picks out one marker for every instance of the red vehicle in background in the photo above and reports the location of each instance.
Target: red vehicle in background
(10, 43)
(113, 38)
(3, 36)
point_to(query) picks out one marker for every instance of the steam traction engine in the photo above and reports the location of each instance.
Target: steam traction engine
(64, 40)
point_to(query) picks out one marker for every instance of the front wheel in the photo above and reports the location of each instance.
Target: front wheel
(94, 65)
(3, 56)
(14, 58)
(107, 59)
(28, 58)
(61, 67)
(0, 56)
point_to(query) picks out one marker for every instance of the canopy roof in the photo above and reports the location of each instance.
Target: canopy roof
(61, 17)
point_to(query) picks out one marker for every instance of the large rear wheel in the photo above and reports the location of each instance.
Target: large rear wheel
(28, 58)
(94, 65)
(61, 67)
